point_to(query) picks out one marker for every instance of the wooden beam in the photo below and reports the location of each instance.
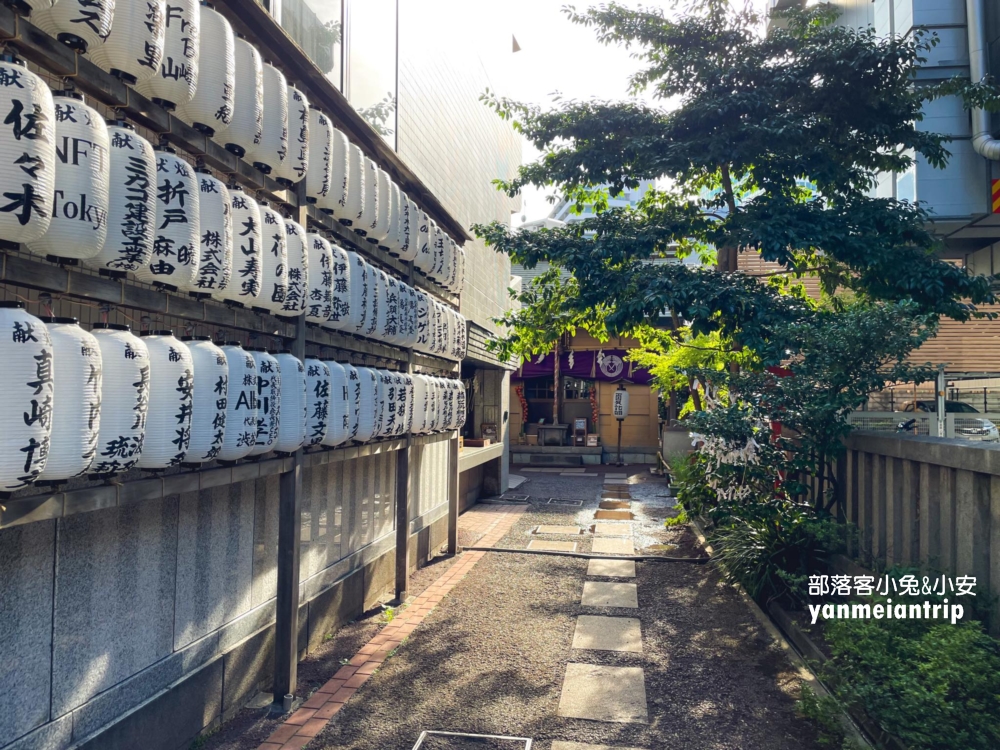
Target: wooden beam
(453, 480)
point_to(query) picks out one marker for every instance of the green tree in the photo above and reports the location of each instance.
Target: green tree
(774, 146)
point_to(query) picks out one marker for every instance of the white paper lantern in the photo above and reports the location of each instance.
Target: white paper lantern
(294, 405)
(461, 337)
(372, 303)
(176, 78)
(368, 215)
(361, 279)
(380, 403)
(209, 406)
(408, 324)
(436, 271)
(461, 404)
(353, 399)
(27, 405)
(297, 270)
(435, 404)
(460, 281)
(171, 401)
(215, 220)
(81, 25)
(404, 239)
(268, 401)
(318, 388)
(424, 261)
(274, 266)
(381, 305)
(133, 50)
(27, 153)
(420, 406)
(77, 390)
(241, 403)
(367, 406)
(295, 165)
(272, 149)
(335, 202)
(619, 408)
(35, 5)
(341, 406)
(391, 240)
(404, 404)
(453, 263)
(244, 284)
(356, 184)
(79, 223)
(174, 262)
(244, 131)
(380, 227)
(131, 220)
(339, 318)
(391, 325)
(125, 385)
(210, 110)
(423, 322)
(319, 295)
(389, 402)
(320, 181)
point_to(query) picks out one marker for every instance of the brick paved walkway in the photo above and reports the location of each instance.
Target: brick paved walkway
(483, 525)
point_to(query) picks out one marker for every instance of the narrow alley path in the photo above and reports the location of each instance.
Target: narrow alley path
(576, 654)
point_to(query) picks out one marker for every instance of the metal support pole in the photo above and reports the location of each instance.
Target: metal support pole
(619, 442)
(453, 495)
(940, 396)
(403, 522)
(286, 628)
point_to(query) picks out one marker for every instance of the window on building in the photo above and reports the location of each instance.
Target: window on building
(317, 27)
(372, 63)
(539, 388)
(577, 389)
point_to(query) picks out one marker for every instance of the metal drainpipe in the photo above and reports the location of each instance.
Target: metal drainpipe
(982, 136)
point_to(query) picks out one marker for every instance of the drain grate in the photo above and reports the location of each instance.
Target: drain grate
(509, 497)
(560, 501)
(460, 741)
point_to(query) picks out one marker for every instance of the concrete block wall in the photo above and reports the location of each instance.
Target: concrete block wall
(158, 616)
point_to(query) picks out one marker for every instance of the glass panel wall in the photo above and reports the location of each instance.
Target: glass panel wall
(372, 63)
(317, 27)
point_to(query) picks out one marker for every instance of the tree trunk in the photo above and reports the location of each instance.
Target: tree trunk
(556, 383)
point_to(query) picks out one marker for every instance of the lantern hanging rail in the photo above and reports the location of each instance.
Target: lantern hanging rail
(58, 60)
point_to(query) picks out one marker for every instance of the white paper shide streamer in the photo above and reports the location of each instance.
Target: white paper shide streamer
(79, 223)
(177, 77)
(294, 404)
(210, 110)
(133, 50)
(317, 401)
(82, 25)
(244, 131)
(124, 398)
(171, 401)
(211, 388)
(241, 403)
(27, 153)
(131, 219)
(244, 281)
(215, 226)
(268, 401)
(272, 148)
(174, 261)
(320, 291)
(297, 269)
(274, 264)
(28, 396)
(77, 390)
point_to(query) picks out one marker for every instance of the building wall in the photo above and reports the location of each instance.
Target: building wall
(451, 52)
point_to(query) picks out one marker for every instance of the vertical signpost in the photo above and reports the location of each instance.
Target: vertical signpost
(620, 411)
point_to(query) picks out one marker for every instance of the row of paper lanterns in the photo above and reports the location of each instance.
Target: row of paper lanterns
(105, 401)
(92, 186)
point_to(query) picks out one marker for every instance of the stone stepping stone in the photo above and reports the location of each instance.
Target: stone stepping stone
(548, 546)
(597, 633)
(612, 694)
(613, 529)
(612, 546)
(576, 474)
(558, 745)
(601, 594)
(575, 530)
(612, 568)
(614, 481)
(613, 515)
(616, 475)
(615, 505)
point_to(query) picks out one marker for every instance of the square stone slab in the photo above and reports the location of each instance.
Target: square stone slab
(575, 530)
(552, 546)
(613, 529)
(616, 475)
(612, 568)
(610, 546)
(614, 481)
(581, 746)
(576, 474)
(614, 694)
(608, 634)
(615, 505)
(600, 594)
(613, 515)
